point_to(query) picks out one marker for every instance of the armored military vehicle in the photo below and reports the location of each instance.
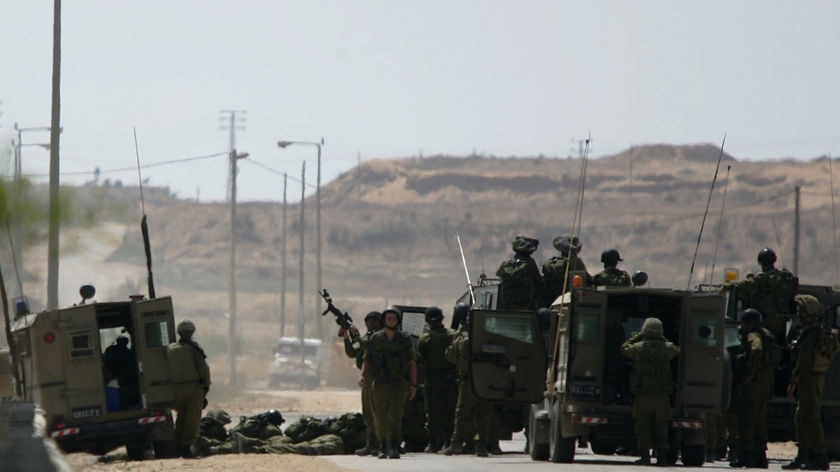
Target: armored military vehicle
(781, 410)
(566, 366)
(63, 365)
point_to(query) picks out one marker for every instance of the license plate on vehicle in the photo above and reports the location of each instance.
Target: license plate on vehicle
(586, 392)
(86, 412)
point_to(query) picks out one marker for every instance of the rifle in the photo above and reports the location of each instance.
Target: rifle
(341, 319)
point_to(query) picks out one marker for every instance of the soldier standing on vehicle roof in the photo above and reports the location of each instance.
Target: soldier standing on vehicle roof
(521, 286)
(770, 291)
(651, 383)
(390, 361)
(611, 276)
(191, 377)
(806, 384)
(373, 323)
(440, 387)
(754, 373)
(556, 268)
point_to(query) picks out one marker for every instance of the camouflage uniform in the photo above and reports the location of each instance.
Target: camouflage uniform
(524, 291)
(611, 277)
(554, 274)
(439, 385)
(371, 446)
(389, 362)
(471, 414)
(191, 377)
(770, 292)
(754, 375)
(651, 383)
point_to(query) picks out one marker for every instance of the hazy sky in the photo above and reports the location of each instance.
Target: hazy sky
(391, 78)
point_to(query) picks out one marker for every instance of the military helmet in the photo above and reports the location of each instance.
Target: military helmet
(611, 257)
(751, 315)
(566, 243)
(652, 327)
(218, 415)
(766, 256)
(375, 315)
(525, 245)
(392, 309)
(185, 326)
(460, 313)
(808, 306)
(274, 417)
(433, 315)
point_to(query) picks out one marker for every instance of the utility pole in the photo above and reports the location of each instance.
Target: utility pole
(283, 263)
(55, 128)
(301, 315)
(234, 122)
(318, 300)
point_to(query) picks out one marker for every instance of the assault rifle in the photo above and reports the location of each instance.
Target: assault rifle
(341, 319)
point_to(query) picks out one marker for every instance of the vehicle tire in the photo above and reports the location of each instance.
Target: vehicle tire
(693, 455)
(136, 449)
(164, 449)
(604, 448)
(562, 449)
(537, 451)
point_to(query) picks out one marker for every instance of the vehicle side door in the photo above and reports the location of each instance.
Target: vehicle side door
(154, 326)
(508, 358)
(703, 370)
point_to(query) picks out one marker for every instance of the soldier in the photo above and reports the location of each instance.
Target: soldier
(121, 364)
(439, 380)
(611, 276)
(555, 269)
(191, 377)
(373, 323)
(754, 374)
(651, 383)
(770, 291)
(471, 414)
(390, 361)
(521, 284)
(806, 384)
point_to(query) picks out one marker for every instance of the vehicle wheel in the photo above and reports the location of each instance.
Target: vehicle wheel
(537, 451)
(604, 448)
(693, 455)
(164, 449)
(562, 449)
(136, 449)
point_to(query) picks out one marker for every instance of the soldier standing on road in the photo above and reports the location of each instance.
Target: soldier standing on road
(806, 384)
(754, 374)
(611, 276)
(557, 267)
(390, 361)
(439, 380)
(521, 286)
(770, 291)
(191, 377)
(373, 323)
(651, 383)
(471, 414)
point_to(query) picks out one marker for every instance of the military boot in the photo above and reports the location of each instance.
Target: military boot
(644, 457)
(453, 449)
(663, 456)
(819, 461)
(760, 460)
(745, 459)
(394, 453)
(384, 449)
(367, 449)
(481, 448)
(799, 461)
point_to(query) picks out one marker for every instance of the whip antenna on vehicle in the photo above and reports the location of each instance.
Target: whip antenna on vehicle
(833, 222)
(578, 214)
(720, 225)
(466, 271)
(144, 228)
(705, 213)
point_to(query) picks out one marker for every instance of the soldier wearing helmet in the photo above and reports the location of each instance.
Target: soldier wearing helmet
(440, 388)
(556, 269)
(611, 276)
(754, 374)
(521, 286)
(191, 377)
(651, 383)
(770, 291)
(806, 385)
(390, 362)
(373, 323)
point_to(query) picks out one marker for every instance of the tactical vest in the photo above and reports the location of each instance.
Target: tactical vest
(389, 359)
(612, 277)
(432, 347)
(652, 369)
(517, 289)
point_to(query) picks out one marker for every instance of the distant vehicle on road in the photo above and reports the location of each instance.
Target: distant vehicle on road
(296, 364)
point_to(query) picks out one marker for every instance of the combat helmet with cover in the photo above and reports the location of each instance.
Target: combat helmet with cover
(567, 244)
(525, 245)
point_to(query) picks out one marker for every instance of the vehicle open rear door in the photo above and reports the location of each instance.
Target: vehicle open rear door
(702, 369)
(155, 329)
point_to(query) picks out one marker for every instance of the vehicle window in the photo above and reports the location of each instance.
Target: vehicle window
(157, 334)
(704, 333)
(732, 337)
(588, 327)
(81, 345)
(514, 327)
